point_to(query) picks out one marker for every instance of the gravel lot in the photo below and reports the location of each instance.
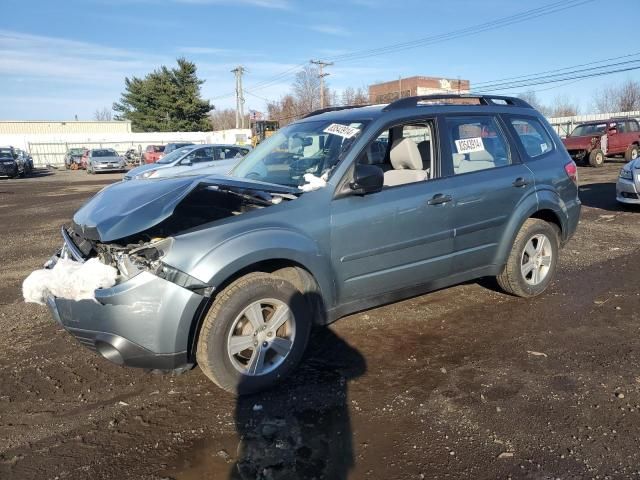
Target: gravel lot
(465, 382)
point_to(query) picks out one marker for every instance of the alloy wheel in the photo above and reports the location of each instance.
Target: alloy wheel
(536, 259)
(261, 337)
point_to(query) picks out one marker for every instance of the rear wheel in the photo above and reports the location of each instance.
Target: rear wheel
(532, 262)
(254, 334)
(596, 158)
(632, 153)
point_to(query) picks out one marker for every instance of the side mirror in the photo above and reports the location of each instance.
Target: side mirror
(367, 179)
(307, 141)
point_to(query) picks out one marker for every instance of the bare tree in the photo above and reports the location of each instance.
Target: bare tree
(225, 119)
(352, 96)
(563, 107)
(629, 96)
(103, 115)
(622, 98)
(532, 99)
(306, 88)
(286, 110)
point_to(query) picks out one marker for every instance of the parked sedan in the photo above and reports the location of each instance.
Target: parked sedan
(105, 160)
(217, 158)
(628, 186)
(11, 165)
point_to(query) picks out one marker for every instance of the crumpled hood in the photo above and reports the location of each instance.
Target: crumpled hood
(634, 164)
(126, 208)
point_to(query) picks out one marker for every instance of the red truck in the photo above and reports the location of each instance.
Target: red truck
(592, 142)
(152, 153)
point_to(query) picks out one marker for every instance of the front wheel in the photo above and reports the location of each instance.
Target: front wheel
(532, 262)
(254, 334)
(596, 158)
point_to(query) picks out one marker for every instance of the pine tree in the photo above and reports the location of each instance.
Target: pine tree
(166, 100)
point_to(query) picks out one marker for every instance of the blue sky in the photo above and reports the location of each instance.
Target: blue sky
(62, 58)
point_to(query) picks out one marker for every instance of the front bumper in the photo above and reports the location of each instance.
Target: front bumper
(142, 322)
(8, 169)
(108, 167)
(627, 191)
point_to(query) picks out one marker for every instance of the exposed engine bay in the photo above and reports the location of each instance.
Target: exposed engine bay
(144, 250)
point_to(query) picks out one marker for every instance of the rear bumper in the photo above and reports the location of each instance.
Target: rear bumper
(143, 322)
(106, 168)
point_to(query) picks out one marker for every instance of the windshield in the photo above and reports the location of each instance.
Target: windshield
(589, 129)
(6, 153)
(76, 151)
(300, 148)
(175, 155)
(107, 152)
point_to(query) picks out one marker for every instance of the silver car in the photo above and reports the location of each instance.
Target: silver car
(105, 160)
(217, 158)
(628, 186)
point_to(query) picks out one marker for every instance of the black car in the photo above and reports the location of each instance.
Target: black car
(11, 164)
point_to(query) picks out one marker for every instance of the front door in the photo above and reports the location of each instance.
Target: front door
(399, 237)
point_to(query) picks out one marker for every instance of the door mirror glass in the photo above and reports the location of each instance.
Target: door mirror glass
(367, 179)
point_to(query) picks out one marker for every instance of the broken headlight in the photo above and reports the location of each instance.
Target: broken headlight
(144, 258)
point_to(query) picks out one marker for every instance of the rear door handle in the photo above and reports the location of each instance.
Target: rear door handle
(439, 199)
(520, 182)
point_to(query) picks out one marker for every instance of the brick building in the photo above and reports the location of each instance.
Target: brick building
(407, 87)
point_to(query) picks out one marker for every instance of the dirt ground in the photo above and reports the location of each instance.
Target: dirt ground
(465, 382)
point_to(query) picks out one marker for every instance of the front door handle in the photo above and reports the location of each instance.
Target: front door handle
(439, 199)
(520, 182)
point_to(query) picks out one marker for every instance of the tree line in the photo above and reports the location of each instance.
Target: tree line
(170, 99)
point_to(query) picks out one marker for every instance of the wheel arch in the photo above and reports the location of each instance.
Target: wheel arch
(549, 208)
(311, 280)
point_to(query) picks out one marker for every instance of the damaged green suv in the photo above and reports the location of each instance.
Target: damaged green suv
(346, 209)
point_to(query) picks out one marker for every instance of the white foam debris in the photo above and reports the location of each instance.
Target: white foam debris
(313, 182)
(68, 279)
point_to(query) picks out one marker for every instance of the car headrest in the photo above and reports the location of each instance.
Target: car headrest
(405, 155)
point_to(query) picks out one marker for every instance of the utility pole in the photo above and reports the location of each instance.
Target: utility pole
(239, 70)
(321, 64)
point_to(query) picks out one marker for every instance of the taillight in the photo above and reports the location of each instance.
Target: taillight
(572, 171)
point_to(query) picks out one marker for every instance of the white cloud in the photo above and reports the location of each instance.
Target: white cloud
(330, 30)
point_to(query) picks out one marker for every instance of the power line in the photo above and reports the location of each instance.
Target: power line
(523, 16)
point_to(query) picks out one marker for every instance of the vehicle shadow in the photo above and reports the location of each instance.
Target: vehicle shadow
(41, 172)
(602, 196)
(302, 428)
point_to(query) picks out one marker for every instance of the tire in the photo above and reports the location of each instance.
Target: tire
(263, 294)
(516, 278)
(632, 152)
(596, 158)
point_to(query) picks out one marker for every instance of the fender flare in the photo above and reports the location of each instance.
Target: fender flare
(542, 199)
(275, 244)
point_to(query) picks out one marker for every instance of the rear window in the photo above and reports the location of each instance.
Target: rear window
(533, 137)
(6, 153)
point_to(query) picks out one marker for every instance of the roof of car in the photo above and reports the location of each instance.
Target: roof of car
(432, 102)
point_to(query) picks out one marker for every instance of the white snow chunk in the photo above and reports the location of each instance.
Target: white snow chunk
(68, 279)
(313, 182)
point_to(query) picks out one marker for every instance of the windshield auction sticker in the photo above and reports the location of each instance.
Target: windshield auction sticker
(343, 131)
(469, 145)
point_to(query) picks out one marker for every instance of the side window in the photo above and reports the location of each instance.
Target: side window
(533, 136)
(633, 126)
(477, 143)
(621, 127)
(403, 152)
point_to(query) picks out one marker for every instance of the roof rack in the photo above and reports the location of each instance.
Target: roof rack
(333, 109)
(408, 102)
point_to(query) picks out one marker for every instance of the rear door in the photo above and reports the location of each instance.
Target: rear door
(488, 183)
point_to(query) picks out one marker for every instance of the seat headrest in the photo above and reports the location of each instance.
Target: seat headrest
(405, 155)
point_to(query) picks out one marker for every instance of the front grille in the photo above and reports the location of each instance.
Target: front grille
(629, 195)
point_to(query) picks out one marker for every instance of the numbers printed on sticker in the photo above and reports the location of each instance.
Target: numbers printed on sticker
(344, 131)
(469, 145)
